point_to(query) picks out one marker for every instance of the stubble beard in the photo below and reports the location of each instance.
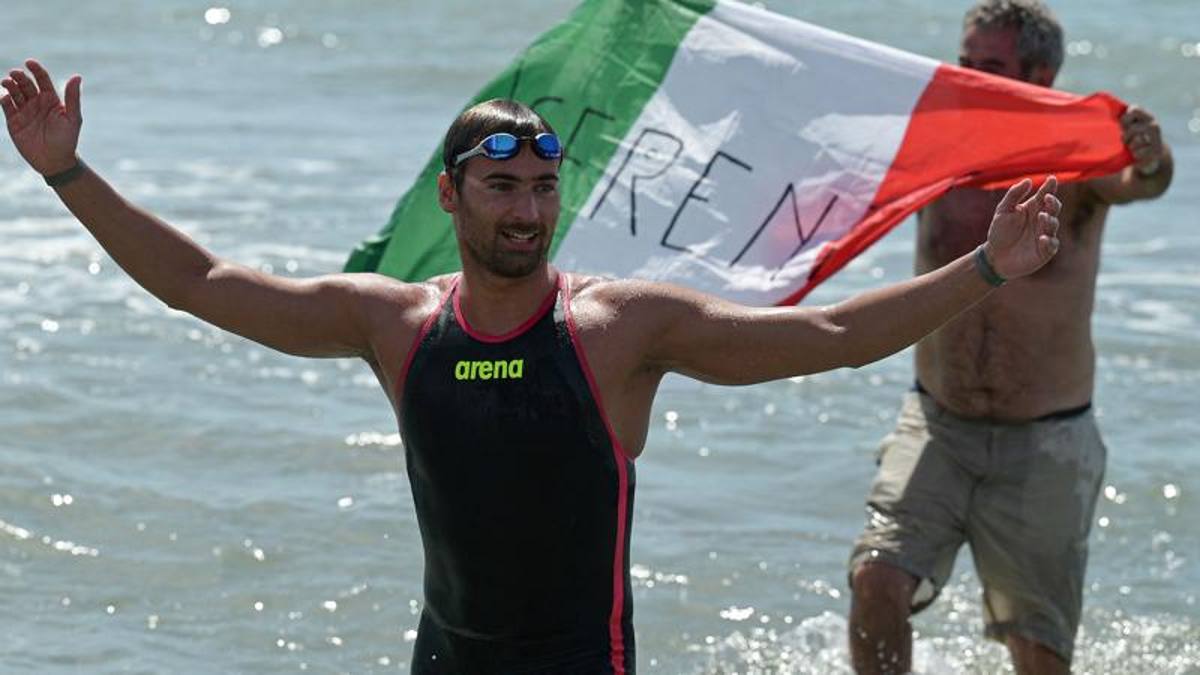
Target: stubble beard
(507, 264)
(488, 254)
(512, 264)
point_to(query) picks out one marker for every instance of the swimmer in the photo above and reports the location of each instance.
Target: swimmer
(523, 392)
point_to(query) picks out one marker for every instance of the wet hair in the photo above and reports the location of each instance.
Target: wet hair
(484, 119)
(1039, 34)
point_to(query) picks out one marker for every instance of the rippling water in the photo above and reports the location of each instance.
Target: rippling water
(174, 499)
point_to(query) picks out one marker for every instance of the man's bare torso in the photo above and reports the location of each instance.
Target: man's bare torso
(1025, 351)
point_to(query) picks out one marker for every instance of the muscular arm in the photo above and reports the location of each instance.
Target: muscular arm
(325, 316)
(726, 343)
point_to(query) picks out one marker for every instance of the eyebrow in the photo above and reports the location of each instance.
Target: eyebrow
(500, 175)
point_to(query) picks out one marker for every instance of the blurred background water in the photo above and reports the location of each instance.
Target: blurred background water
(176, 499)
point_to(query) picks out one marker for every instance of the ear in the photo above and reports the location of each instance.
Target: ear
(447, 195)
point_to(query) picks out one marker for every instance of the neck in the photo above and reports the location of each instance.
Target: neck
(496, 305)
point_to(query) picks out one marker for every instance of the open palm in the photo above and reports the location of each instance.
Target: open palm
(44, 130)
(1024, 234)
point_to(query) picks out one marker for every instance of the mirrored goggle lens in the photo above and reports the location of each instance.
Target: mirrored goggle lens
(547, 146)
(501, 146)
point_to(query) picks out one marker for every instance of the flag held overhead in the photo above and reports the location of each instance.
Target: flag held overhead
(751, 155)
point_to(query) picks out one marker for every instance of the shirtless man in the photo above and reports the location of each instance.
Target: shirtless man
(523, 393)
(997, 446)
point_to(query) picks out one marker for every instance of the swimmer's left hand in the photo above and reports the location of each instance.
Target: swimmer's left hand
(1024, 234)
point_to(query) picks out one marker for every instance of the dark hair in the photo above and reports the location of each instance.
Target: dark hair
(484, 119)
(1039, 34)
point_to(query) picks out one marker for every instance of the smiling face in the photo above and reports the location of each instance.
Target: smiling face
(504, 211)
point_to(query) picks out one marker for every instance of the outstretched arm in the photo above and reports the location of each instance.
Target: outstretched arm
(324, 316)
(721, 342)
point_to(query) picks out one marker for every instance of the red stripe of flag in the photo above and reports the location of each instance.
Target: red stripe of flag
(973, 129)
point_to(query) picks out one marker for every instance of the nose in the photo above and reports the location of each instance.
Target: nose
(526, 207)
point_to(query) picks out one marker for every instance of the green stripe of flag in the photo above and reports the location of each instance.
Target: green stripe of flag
(589, 77)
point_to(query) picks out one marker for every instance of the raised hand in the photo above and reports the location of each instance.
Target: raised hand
(45, 131)
(1024, 234)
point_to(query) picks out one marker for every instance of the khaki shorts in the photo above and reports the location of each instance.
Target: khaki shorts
(1022, 495)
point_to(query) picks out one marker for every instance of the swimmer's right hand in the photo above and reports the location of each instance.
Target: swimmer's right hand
(43, 128)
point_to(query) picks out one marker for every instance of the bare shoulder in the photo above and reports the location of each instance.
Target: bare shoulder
(392, 311)
(635, 308)
(387, 299)
(619, 296)
(621, 321)
(382, 288)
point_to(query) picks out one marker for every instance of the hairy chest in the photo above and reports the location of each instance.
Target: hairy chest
(959, 221)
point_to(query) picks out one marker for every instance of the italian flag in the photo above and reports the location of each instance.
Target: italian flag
(747, 154)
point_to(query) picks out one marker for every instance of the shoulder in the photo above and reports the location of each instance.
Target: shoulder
(371, 285)
(392, 312)
(605, 289)
(646, 305)
(625, 294)
(387, 299)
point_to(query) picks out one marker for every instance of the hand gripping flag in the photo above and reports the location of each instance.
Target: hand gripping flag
(750, 155)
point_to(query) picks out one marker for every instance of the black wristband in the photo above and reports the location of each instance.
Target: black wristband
(986, 270)
(63, 177)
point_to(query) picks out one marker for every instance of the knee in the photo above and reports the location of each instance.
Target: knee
(882, 586)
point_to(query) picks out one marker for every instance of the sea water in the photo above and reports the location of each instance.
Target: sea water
(174, 499)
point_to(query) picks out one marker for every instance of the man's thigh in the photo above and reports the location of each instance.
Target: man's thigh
(918, 503)
(1029, 525)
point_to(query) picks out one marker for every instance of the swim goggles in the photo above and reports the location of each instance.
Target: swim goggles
(506, 146)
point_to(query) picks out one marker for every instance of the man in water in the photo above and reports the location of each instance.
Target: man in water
(996, 445)
(523, 393)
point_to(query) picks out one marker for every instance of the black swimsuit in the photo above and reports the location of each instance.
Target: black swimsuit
(523, 496)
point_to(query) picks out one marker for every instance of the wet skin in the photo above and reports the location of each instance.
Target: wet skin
(1026, 350)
